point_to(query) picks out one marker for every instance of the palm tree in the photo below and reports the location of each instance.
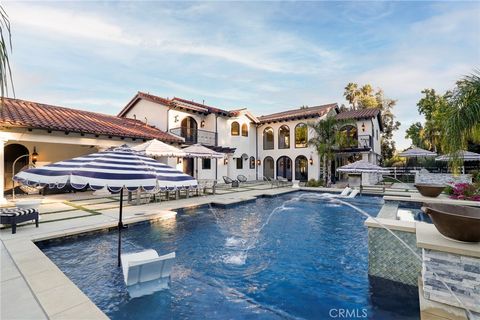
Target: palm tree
(5, 44)
(461, 121)
(325, 139)
(352, 94)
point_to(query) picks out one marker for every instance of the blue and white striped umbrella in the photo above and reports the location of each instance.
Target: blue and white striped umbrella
(114, 169)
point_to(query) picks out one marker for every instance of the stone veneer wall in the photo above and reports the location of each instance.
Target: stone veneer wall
(461, 273)
(389, 259)
(442, 178)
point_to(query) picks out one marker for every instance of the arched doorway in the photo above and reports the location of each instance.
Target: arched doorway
(301, 168)
(189, 130)
(284, 167)
(268, 167)
(12, 152)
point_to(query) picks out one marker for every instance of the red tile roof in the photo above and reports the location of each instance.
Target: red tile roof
(27, 114)
(360, 114)
(308, 112)
(175, 102)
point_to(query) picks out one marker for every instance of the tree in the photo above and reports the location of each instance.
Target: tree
(416, 133)
(326, 138)
(433, 107)
(366, 97)
(461, 121)
(5, 44)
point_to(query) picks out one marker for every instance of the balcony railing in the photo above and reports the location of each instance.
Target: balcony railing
(364, 142)
(192, 136)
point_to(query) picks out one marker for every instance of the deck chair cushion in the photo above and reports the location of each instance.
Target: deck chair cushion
(12, 212)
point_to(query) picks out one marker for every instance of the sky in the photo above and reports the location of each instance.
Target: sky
(265, 56)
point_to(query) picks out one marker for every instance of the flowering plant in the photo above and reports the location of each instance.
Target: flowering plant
(465, 191)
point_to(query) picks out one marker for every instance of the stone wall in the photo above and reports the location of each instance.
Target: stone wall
(390, 259)
(441, 178)
(461, 273)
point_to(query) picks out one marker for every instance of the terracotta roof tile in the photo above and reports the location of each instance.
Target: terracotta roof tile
(27, 114)
(189, 103)
(358, 114)
(309, 112)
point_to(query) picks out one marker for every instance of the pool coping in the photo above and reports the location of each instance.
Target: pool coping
(55, 293)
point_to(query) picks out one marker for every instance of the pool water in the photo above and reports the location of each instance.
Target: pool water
(309, 261)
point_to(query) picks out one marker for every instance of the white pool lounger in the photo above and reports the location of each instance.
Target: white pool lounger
(353, 194)
(145, 272)
(345, 192)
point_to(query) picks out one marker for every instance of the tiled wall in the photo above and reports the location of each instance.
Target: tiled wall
(461, 273)
(390, 259)
(441, 178)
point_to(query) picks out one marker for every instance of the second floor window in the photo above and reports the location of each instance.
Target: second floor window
(268, 139)
(349, 137)
(235, 129)
(301, 135)
(284, 137)
(245, 130)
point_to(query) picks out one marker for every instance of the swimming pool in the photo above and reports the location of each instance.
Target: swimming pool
(309, 261)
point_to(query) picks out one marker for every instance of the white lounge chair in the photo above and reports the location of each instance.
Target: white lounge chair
(345, 192)
(145, 272)
(353, 194)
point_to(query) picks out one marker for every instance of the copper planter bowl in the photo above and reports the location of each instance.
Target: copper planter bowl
(456, 222)
(429, 190)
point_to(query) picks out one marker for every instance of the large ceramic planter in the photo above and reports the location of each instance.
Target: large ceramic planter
(429, 190)
(454, 221)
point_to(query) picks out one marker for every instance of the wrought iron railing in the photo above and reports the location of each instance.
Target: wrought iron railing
(192, 136)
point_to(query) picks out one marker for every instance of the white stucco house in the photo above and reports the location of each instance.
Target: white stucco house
(265, 146)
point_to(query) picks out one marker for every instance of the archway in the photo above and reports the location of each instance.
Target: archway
(268, 167)
(301, 168)
(189, 130)
(12, 152)
(284, 167)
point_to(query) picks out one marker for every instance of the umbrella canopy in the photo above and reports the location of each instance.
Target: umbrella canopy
(465, 155)
(416, 152)
(361, 167)
(115, 169)
(199, 151)
(159, 149)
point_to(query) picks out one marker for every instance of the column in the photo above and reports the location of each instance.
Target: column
(3, 141)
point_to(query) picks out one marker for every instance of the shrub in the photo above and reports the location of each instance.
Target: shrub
(466, 191)
(315, 183)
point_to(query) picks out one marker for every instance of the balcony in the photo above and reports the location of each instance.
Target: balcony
(192, 136)
(363, 143)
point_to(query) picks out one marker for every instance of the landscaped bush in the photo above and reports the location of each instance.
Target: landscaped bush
(315, 183)
(466, 191)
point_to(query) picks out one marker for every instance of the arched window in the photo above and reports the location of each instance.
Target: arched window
(284, 167)
(301, 135)
(268, 139)
(268, 167)
(284, 137)
(252, 162)
(301, 168)
(349, 137)
(245, 130)
(235, 129)
(189, 129)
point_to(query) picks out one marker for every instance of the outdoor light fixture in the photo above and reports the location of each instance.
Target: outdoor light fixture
(363, 126)
(202, 124)
(34, 155)
(311, 160)
(225, 161)
(259, 162)
(176, 119)
(179, 160)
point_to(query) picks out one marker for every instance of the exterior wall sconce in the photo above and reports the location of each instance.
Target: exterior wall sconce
(175, 119)
(202, 124)
(259, 162)
(179, 160)
(310, 160)
(363, 126)
(225, 161)
(34, 155)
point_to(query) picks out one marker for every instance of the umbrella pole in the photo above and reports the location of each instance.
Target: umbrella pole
(120, 227)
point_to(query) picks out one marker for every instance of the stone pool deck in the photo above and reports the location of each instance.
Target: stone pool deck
(33, 287)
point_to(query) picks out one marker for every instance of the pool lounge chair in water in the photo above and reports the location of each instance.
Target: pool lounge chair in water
(145, 272)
